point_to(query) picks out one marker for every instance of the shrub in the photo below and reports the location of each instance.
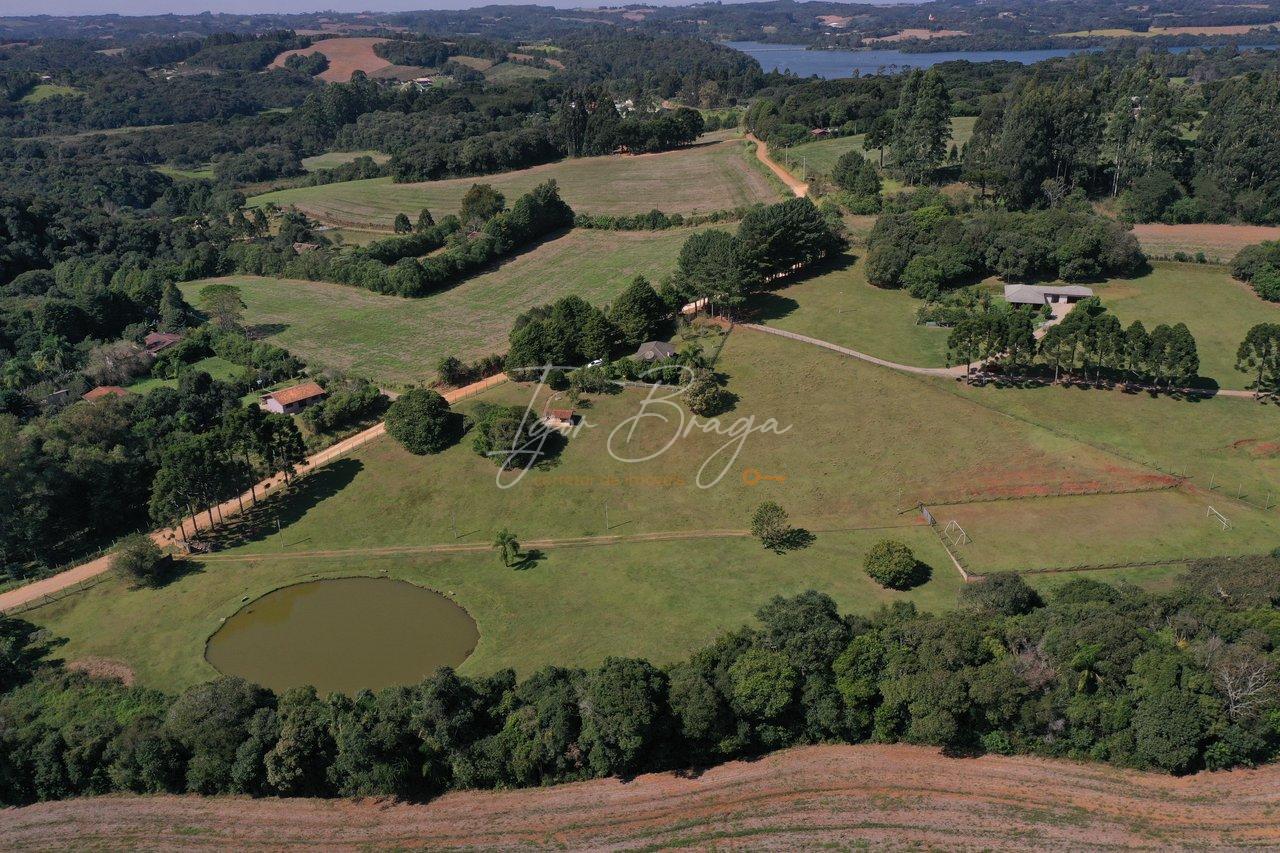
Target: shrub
(891, 564)
(1007, 594)
(140, 559)
(421, 421)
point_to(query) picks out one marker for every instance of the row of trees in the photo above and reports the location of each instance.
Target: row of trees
(534, 215)
(1173, 681)
(1088, 343)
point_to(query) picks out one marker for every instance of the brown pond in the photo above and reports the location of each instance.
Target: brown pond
(343, 635)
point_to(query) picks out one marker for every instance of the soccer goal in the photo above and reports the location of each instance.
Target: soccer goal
(955, 534)
(1218, 517)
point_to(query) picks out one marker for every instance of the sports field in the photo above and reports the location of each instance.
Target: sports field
(397, 341)
(1217, 309)
(703, 177)
(860, 444)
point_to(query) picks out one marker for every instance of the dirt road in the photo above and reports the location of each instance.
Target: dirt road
(798, 187)
(841, 796)
(63, 580)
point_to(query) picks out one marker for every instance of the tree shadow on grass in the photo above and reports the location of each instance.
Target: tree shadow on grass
(258, 331)
(795, 539)
(529, 559)
(771, 306)
(288, 505)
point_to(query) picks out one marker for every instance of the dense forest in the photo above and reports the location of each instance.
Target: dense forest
(1175, 681)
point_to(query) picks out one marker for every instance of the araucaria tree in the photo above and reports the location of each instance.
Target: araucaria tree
(1259, 355)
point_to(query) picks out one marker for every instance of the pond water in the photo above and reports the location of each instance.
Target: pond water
(833, 64)
(343, 635)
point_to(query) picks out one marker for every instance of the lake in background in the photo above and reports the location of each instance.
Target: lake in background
(832, 64)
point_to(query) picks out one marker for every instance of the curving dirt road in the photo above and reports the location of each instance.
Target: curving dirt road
(86, 571)
(800, 188)
(812, 797)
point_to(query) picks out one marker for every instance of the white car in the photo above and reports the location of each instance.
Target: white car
(596, 363)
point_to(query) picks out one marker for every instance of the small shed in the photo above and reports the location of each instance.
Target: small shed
(105, 391)
(560, 418)
(288, 401)
(157, 342)
(654, 351)
(1045, 294)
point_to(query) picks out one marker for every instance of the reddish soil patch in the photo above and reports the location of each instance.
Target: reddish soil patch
(846, 796)
(1042, 480)
(1257, 448)
(1219, 242)
(345, 55)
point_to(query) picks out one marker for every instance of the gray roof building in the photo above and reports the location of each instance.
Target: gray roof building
(1043, 294)
(654, 351)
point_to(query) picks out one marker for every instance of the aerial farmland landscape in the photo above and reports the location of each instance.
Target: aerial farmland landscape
(754, 425)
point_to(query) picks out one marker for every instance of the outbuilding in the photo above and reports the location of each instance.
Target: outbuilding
(288, 401)
(157, 342)
(105, 391)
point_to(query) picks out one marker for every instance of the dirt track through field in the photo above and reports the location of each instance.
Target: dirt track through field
(31, 592)
(800, 188)
(844, 796)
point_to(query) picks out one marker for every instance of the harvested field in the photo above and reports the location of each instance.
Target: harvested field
(1195, 30)
(346, 56)
(1218, 242)
(702, 177)
(807, 798)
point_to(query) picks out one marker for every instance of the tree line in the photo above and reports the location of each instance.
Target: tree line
(1173, 681)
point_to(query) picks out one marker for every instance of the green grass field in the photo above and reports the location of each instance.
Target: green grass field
(841, 307)
(190, 174)
(216, 367)
(860, 443)
(44, 91)
(700, 178)
(820, 157)
(1217, 309)
(332, 159)
(397, 341)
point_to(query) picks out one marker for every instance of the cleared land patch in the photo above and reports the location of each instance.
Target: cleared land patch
(703, 177)
(332, 159)
(1218, 242)
(398, 341)
(345, 55)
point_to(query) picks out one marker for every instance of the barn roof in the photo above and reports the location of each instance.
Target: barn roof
(106, 391)
(296, 394)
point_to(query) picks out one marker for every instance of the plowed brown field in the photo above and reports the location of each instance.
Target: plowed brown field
(886, 796)
(346, 55)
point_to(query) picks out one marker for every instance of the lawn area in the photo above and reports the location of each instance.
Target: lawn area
(820, 157)
(44, 91)
(699, 178)
(398, 341)
(1061, 532)
(1217, 309)
(216, 367)
(508, 72)
(855, 444)
(333, 159)
(841, 307)
(1150, 578)
(1229, 444)
(574, 608)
